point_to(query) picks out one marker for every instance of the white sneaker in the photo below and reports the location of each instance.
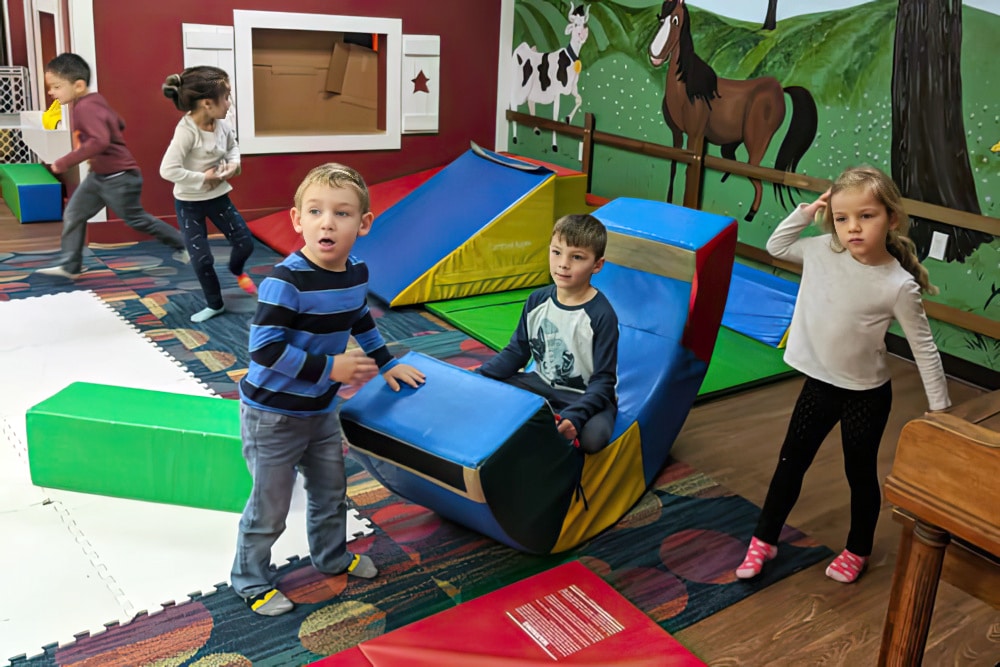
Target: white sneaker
(181, 256)
(58, 272)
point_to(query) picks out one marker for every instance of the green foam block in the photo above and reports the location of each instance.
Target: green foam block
(489, 318)
(31, 191)
(136, 443)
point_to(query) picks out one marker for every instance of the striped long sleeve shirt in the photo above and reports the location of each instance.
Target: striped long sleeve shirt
(306, 315)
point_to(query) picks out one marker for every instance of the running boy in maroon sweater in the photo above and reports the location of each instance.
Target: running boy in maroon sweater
(114, 179)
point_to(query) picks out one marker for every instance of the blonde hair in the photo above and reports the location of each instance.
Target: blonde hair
(334, 175)
(884, 189)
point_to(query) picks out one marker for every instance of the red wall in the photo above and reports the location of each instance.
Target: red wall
(140, 43)
(18, 40)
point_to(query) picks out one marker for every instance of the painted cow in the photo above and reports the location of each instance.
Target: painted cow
(542, 78)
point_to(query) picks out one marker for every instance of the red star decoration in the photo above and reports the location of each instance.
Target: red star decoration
(420, 83)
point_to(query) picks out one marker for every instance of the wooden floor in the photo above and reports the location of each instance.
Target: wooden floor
(806, 619)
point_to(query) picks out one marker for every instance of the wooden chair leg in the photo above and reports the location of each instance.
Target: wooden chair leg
(911, 600)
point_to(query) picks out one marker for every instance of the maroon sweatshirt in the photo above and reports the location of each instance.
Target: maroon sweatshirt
(97, 137)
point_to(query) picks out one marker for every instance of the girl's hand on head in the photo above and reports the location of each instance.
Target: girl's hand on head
(353, 367)
(403, 373)
(813, 209)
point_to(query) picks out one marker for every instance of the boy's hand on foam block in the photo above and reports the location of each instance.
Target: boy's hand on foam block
(403, 373)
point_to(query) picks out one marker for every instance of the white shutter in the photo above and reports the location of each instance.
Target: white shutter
(212, 45)
(421, 81)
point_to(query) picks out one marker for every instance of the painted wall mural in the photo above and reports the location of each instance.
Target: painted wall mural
(905, 85)
(543, 78)
(726, 112)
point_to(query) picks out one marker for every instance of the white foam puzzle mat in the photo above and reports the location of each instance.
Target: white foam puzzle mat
(83, 561)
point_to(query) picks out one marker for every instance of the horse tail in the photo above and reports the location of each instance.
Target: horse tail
(798, 139)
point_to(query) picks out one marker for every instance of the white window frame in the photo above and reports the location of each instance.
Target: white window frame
(245, 21)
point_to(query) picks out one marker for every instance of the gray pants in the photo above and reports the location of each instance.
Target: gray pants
(120, 193)
(275, 446)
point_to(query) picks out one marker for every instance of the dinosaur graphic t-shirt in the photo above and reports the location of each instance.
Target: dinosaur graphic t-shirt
(574, 348)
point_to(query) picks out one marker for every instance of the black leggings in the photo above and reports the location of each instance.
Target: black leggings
(191, 218)
(862, 416)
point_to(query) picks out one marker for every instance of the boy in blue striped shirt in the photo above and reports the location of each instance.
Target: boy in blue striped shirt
(308, 308)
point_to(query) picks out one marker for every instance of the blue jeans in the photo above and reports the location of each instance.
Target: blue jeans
(121, 193)
(191, 216)
(275, 445)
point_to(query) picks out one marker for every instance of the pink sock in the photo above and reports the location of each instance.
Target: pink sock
(847, 567)
(758, 553)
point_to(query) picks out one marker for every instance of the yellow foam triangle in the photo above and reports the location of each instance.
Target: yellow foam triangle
(511, 252)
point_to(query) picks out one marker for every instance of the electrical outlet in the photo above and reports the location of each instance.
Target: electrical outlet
(939, 244)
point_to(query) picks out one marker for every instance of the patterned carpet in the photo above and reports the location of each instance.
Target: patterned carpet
(672, 555)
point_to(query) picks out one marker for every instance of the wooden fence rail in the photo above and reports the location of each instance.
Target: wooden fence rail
(697, 162)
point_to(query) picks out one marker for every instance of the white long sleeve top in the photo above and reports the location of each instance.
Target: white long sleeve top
(192, 151)
(843, 311)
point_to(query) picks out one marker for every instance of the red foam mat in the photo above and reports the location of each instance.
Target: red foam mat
(276, 231)
(566, 615)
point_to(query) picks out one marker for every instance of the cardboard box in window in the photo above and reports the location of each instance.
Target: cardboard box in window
(311, 82)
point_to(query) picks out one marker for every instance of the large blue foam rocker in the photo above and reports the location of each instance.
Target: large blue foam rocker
(487, 455)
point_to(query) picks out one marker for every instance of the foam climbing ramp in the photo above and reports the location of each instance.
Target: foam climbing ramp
(566, 615)
(141, 444)
(480, 225)
(571, 188)
(760, 305)
(667, 273)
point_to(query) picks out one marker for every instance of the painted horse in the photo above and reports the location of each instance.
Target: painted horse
(542, 78)
(727, 112)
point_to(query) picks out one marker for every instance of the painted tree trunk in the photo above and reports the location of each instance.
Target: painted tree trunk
(930, 157)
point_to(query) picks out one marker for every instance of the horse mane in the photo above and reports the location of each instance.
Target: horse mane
(699, 79)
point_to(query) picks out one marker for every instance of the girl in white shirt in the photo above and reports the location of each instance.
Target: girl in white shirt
(856, 279)
(201, 158)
